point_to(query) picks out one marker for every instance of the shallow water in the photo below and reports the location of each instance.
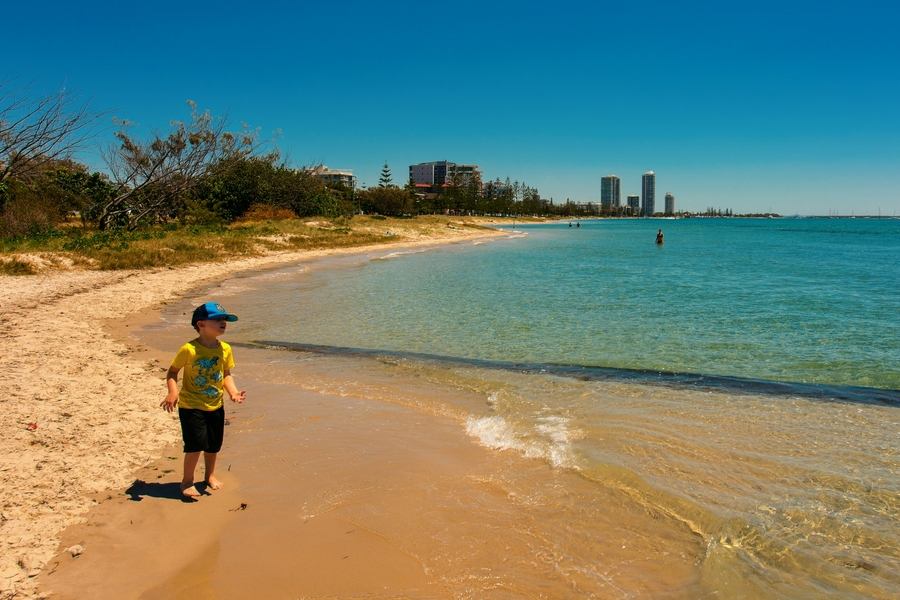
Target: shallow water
(792, 300)
(761, 489)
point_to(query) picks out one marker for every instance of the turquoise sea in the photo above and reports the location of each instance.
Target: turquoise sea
(802, 300)
(740, 382)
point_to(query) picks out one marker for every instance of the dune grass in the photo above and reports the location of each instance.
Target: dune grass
(14, 266)
(179, 245)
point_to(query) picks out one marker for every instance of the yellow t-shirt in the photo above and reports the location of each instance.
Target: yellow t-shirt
(203, 385)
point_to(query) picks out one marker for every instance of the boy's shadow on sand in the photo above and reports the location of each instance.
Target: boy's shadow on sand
(168, 491)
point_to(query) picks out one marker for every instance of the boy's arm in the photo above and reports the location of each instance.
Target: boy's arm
(231, 388)
(172, 383)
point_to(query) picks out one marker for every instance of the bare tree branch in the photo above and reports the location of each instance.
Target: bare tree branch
(36, 130)
(152, 176)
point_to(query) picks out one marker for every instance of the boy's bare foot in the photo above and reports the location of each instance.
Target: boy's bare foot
(214, 484)
(189, 491)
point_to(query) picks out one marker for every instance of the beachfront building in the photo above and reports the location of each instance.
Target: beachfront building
(610, 192)
(327, 175)
(670, 204)
(648, 193)
(634, 204)
(442, 172)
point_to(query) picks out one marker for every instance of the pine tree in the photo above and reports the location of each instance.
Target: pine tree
(385, 179)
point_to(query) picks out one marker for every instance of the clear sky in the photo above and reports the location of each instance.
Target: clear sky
(788, 106)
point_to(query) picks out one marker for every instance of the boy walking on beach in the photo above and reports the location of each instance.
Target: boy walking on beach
(207, 364)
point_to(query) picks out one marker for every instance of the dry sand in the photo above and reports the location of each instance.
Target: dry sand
(79, 408)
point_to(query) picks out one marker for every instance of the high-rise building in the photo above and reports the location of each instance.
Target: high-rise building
(670, 203)
(634, 203)
(648, 193)
(441, 172)
(610, 192)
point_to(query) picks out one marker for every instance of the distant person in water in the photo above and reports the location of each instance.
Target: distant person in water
(207, 364)
(577, 224)
(659, 237)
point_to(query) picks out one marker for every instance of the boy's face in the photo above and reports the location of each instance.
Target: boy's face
(214, 327)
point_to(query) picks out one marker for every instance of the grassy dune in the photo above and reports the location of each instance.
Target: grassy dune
(75, 247)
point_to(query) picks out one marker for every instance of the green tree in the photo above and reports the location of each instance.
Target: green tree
(386, 201)
(385, 179)
(78, 191)
(64, 189)
(415, 196)
(232, 190)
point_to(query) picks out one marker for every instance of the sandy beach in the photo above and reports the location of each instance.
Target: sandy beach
(374, 459)
(81, 418)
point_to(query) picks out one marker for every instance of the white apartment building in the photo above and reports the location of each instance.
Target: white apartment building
(327, 175)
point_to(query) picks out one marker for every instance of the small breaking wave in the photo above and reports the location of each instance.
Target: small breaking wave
(398, 254)
(279, 274)
(549, 439)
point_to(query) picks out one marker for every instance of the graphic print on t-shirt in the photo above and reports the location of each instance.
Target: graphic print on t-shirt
(208, 374)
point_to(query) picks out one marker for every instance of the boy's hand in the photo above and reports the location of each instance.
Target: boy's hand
(239, 396)
(169, 402)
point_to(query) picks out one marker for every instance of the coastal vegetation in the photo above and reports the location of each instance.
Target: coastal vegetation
(263, 230)
(196, 192)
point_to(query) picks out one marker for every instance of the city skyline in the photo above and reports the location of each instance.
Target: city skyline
(788, 108)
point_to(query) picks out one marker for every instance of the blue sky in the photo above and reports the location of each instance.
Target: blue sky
(788, 106)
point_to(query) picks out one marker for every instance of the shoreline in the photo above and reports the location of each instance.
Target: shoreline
(341, 482)
(69, 437)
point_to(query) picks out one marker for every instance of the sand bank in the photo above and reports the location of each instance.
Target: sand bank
(80, 412)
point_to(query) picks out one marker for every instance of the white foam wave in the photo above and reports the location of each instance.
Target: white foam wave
(279, 274)
(397, 254)
(229, 289)
(549, 439)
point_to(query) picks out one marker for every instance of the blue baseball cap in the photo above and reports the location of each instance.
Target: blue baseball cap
(212, 311)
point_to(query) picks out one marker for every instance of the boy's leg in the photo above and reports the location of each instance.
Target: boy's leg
(215, 431)
(193, 432)
(187, 482)
(209, 461)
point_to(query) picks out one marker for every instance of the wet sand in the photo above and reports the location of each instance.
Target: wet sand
(337, 496)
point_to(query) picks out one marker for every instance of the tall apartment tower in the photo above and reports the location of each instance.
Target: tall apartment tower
(610, 192)
(441, 172)
(670, 203)
(648, 193)
(634, 203)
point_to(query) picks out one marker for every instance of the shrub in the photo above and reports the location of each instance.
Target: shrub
(267, 212)
(26, 213)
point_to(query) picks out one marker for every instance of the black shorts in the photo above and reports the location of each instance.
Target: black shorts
(202, 430)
